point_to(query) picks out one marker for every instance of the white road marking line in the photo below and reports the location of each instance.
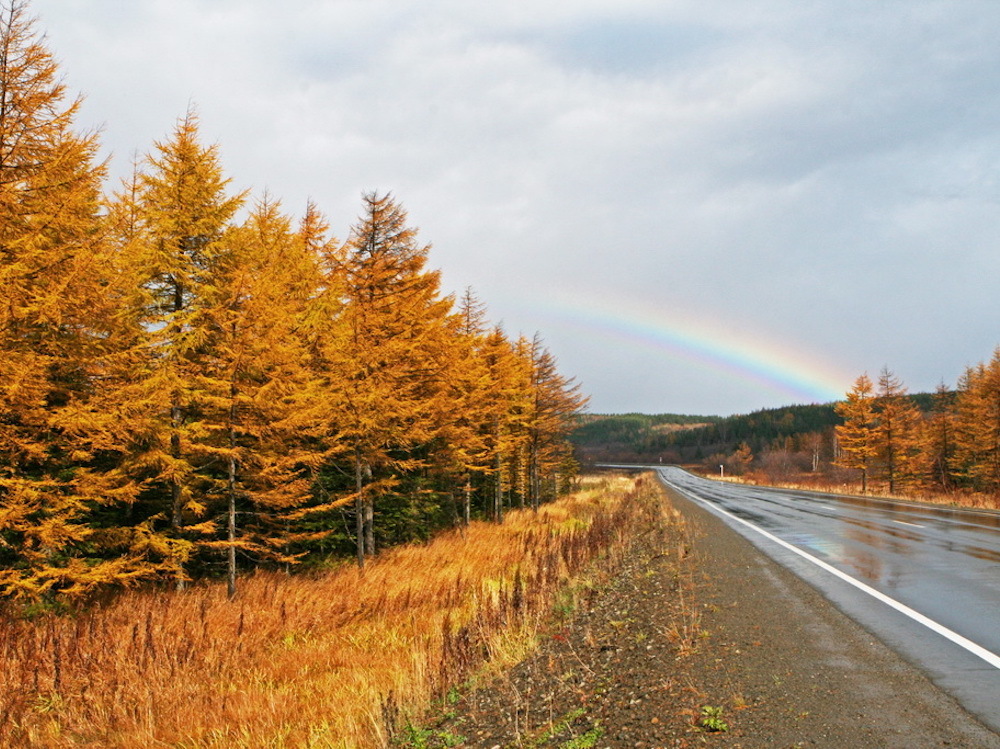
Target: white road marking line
(903, 522)
(977, 650)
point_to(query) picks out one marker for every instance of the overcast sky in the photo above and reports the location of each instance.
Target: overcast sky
(703, 206)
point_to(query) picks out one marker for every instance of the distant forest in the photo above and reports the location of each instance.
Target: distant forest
(776, 443)
(674, 438)
(880, 437)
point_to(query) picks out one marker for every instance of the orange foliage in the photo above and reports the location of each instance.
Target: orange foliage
(178, 386)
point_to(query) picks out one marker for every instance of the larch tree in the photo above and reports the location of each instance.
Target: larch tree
(896, 423)
(254, 409)
(460, 442)
(556, 400)
(856, 436)
(53, 319)
(324, 334)
(174, 252)
(937, 442)
(976, 458)
(387, 364)
(506, 408)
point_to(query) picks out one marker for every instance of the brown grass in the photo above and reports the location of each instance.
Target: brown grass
(809, 482)
(334, 661)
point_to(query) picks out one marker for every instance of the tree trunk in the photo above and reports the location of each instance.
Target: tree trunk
(231, 535)
(468, 501)
(176, 490)
(534, 480)
(176, 416)
(498, 494)
(359, 509)
(369, 525)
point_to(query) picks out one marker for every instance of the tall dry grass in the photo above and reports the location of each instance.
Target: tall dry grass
(333, 661)
(960, 498)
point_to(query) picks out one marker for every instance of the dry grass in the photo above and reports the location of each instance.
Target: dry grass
(685, 629)
(333, 661)
(956, 498)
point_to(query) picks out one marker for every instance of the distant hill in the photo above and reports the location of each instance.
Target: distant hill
(675, 438)
(614, 436)
(633, 436)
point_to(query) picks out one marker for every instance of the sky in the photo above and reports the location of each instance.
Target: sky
(702, 206)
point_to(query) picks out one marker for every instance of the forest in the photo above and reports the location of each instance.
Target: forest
(951, 445)
(690, 440)
(943, 445)
(633, 437)
(879, 438)
(195, 383)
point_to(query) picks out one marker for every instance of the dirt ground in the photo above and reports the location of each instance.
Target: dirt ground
(706, 643)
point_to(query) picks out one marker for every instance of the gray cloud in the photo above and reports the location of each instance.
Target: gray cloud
(821, 177)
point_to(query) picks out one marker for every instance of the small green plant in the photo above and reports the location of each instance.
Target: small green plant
(48, 703)
(554, 729)
(418, 737)
(415, 736)
(711, 719)
(449, 739)
(585, 740)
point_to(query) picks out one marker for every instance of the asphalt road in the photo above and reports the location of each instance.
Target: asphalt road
(924, 579)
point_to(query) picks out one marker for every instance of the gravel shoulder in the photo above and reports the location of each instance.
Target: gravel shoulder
(707, 622)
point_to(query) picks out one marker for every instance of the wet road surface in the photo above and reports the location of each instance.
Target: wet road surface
(924, 579)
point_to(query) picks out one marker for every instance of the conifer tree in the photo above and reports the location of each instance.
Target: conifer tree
(388, 364)
(174, 251)
(937, 446)
(53, 326)
(324, 333)
(977, 426)
(856, 435)
(257, 418)
(459, 444)
(506, 409)
(897, 421)
(556, 400)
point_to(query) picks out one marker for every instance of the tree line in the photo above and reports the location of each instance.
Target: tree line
(880, 435)
(672, 438)
(193, 382)
(952, 444)
(631, 437)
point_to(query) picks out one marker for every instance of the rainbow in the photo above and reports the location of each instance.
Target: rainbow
(796, 376)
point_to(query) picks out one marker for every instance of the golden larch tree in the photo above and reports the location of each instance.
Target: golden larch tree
(897, 422)
(976, 457)
(460, 449)
(936, 448)
(255, 410)
(387, 360)
(506, 408)
(173, 251)
(856, 436)
(53, 328)
(556, 401)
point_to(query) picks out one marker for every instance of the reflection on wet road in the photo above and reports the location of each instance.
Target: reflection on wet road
(941, 562)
